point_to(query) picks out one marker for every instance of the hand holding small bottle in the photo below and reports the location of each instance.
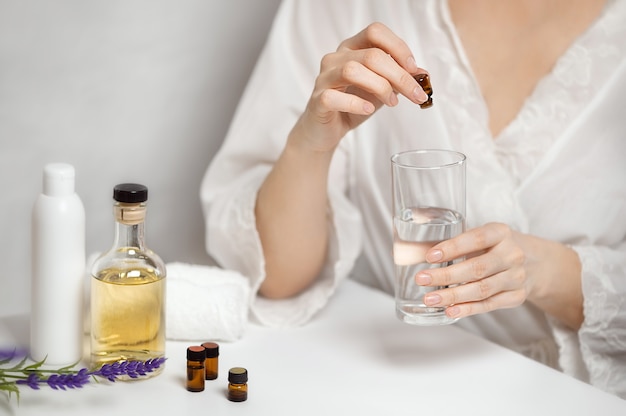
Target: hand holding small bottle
(366, 71)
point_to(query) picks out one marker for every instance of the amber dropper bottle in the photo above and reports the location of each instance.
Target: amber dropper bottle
(211, 362)
(195, 368)
(424, 81)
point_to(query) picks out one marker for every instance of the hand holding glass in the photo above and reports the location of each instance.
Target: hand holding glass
(428, 207)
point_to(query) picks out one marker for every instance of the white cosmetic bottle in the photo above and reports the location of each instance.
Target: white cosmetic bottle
(58, 269)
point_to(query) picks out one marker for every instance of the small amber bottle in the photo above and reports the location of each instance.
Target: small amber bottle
(237, 384)
(424, 81)
(195, 368)
(211, 361)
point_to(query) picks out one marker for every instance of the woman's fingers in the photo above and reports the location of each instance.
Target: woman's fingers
(377, 35)
(479, 290)
(356, 75)
(372, 70)
(367, 71)
(333, 100)
(377, 49)
(472, 241)
(505, 255)
(492, 277)
(502, 300)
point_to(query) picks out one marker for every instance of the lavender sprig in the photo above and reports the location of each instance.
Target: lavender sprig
(33, 376)
(132, 369)
(57, 381)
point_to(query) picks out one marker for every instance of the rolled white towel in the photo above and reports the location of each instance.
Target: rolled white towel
(205, 303)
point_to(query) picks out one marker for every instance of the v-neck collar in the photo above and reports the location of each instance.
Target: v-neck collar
(557, 100)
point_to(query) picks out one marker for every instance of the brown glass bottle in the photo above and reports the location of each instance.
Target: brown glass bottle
(212, 351)
(424, 81)
(237, 384)
(195, 368)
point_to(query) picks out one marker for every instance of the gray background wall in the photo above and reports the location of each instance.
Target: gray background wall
(126, 91)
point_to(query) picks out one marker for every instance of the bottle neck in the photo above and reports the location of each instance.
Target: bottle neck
(129, 225)
(130, 235)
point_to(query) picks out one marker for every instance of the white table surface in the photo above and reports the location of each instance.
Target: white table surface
(354, 358)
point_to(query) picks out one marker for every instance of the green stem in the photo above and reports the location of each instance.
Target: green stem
(20, 377)
(4, 373)
(51, 371)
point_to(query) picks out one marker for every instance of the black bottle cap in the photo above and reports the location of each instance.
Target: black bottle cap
(195, 353)
(130, 193)
(212, 349)
(238, 375)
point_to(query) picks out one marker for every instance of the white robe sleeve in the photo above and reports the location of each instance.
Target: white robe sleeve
(597, 352)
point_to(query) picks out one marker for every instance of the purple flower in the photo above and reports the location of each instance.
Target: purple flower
(132, 369)
(69, 381)
(63, 381)
(154, 363)
(32, 381)
(57, 381)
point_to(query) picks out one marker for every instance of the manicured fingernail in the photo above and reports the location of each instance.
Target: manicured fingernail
(419, 95)
(434, 256)
(432, 299)
(453, 311)
(423, 279)
(411, 65)
(393, 99)
(368, 107)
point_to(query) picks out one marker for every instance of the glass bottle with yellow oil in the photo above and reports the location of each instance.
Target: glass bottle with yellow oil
(128, 288)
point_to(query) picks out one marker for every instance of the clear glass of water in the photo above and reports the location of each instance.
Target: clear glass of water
(428, 189)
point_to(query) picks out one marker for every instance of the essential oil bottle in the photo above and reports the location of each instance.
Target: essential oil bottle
(424, 81)
(195, 368)
(238, 384)
(128, 288)
(211, 364)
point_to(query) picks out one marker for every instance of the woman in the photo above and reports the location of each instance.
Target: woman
(531, 91)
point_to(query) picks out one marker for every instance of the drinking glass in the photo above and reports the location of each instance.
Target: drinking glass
(428, 189)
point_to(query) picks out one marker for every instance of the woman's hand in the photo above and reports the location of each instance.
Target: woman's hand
(502, 269)
(366, 72)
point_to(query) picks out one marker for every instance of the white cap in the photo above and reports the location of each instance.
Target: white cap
(58, 179)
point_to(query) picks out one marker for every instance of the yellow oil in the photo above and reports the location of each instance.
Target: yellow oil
(127, 316)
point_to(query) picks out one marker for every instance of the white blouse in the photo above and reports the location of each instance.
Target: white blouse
(557, 171)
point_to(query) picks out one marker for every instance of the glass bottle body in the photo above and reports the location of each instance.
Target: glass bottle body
(211, 363)
(128, 295)
(195, 368)
(237, 392)
(237, 384)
